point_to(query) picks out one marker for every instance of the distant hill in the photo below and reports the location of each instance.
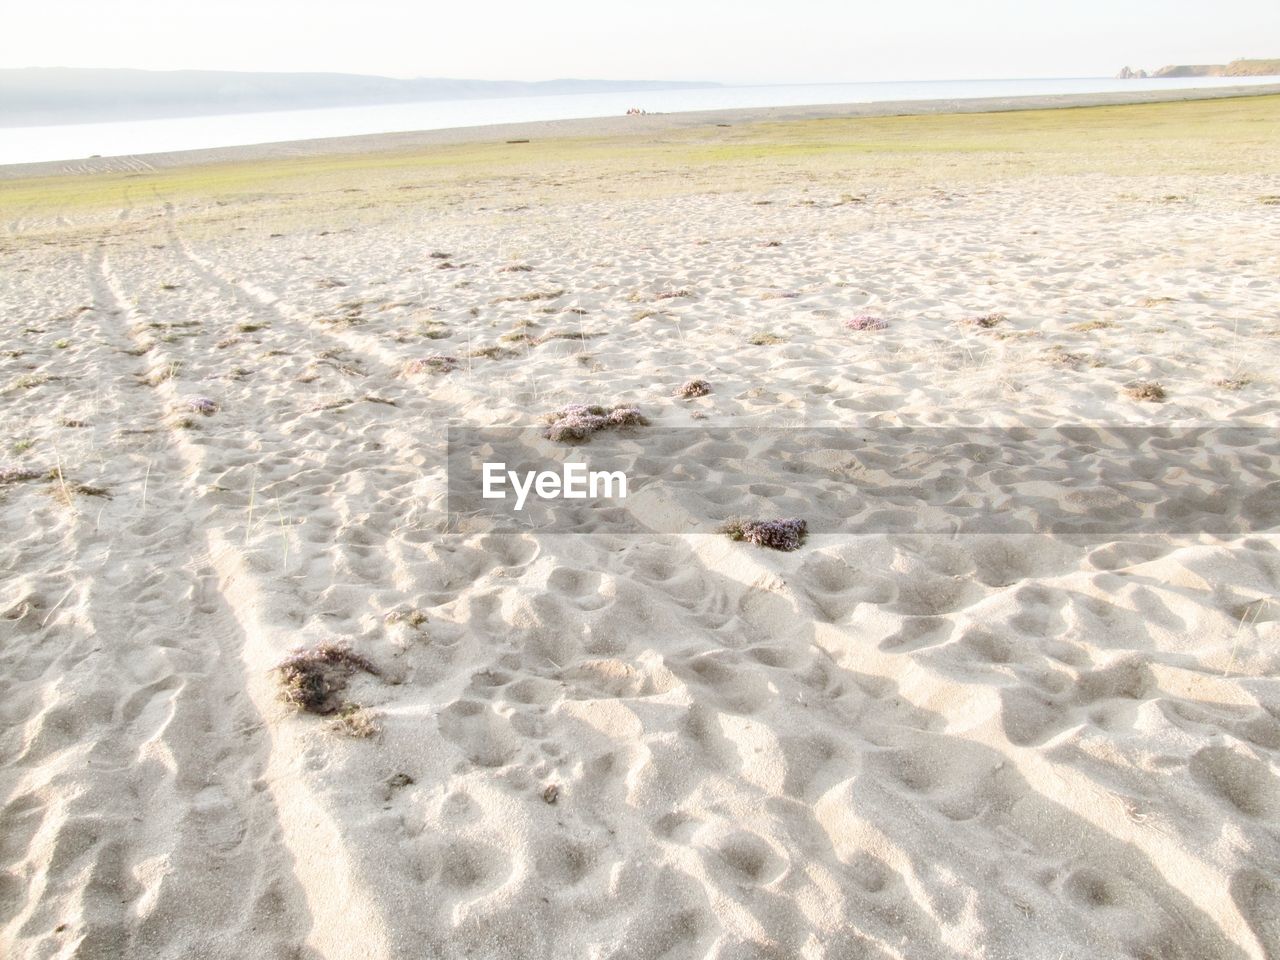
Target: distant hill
(1253, 68)
(1192, 70)
(45, 95)
(1236, 68)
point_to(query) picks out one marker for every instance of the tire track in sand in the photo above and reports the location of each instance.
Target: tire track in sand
(256, 614)
(157, 733)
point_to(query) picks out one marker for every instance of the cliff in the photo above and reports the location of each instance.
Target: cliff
(1253, 68)
(1236, 68)
(1192, 70)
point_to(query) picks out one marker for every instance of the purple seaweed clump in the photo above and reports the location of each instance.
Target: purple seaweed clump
(313, 679)
(202, 405)
(624, 416)
(785, 535)
(576, 422)
(693, 388)
(864, 321)
(18, 474)
(436, 363)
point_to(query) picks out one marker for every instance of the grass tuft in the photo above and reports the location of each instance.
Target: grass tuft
(986, 321)
(1146, 390)
(1233, 383)
(29, 380)
(412, 616)
(353, 720)
(64, 490)
(1062, 357)
(530, 297)
(162, 373)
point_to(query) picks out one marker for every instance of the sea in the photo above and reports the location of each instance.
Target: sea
(31, 144)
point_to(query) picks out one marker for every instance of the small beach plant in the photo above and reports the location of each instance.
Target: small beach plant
(693, 388)
(411, 616)
(1238, 382)
(1146, 390)
(986, 321)
(864, 321)
(576, 422)
(1059, 356)
(356, 721)
(436, 363)
(785, 534)
(10, 475)
(63, 489)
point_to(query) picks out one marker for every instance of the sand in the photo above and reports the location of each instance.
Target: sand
(625, 744)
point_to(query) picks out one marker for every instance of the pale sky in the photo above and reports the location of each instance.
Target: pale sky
(783, 41)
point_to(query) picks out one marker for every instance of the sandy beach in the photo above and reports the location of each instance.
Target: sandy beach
(227, 386)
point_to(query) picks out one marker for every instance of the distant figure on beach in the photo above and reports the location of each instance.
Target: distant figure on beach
(636, 112)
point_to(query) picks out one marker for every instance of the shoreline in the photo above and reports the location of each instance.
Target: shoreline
(615, 126)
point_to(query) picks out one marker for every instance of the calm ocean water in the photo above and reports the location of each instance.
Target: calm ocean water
(33, 144)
